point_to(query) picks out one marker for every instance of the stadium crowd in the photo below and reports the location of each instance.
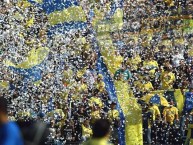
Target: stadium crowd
(72, 95)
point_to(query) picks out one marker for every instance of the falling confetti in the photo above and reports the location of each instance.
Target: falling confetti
(70, 63)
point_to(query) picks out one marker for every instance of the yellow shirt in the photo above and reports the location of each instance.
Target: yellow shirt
(151, 65)
(143, 87)
(117, 62)
(56, 111)
(95, 100)
(170, 113)
(23, 4)
(68, 74)
(103, 141)
(113, 114)
(83, 87)
(147, 86)
(23, 114)
(134, 62)
(86, 132)
(30, 22)
(137, 84)
(100, 86)
(167, 79)
(156, 111)
(150, 120)
(81, 72)
(169, 2)
(95, 115)
(4, 84)
(190, 52)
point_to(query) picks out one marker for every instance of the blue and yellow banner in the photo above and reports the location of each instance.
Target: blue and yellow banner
(175, 94)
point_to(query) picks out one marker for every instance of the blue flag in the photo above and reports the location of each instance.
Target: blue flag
(155, 99)
(188, 106)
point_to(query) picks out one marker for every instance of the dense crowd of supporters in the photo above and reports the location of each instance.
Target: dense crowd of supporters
(72, 95)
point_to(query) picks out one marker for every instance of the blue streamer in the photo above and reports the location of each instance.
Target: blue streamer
(102, 68)
(112, 93)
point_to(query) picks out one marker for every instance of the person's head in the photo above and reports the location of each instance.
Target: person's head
(81, 108)
(113, 105)
(146, 78)
(99, 78)
(124, 66)
(182, 63)
(41, 115)
(3, 109)
(151, 104)
(83, 80)
(57, 105)
(101, 128)
(117, 76)
(191, 88)
(162, 48)
(171, 102)
(52, 122)
(86, 122)
(185, 84)
(95, 92)
(117, 52)
(167, 68)
(176, 52)
(131, 54)
(145, 107)
(96, 107)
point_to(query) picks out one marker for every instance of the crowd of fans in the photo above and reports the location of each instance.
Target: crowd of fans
(71, 94)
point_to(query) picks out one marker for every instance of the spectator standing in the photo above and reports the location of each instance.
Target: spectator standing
(86, 130)
(133, 60)
(161, 55)
(167, 78)
(155, 120)
(155, 110)
(170, 115)
(147, 122)
(101, 133)
(181, 74)
(95, 114)
(9, 131)
(150, 65)
(146, 85)
(113, 116)
(125, 73)
(176, 58)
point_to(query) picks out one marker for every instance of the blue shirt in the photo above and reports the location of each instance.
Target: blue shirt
(10, 134)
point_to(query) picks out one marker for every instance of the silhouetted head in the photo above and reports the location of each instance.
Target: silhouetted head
(101, 128)
(3, 109)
